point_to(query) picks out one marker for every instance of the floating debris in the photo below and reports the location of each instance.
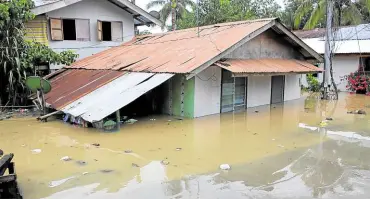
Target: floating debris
(128, 151)
(256, 111)
(85, 173)
(59, 182)
(134, 165)
(131, 121)
(254, 133)
(81, 163)
(106, 170)
(178, 149)
(329, 118)
(96, 144)
(152, 119)
(273, 139)
(323, 124)
(360, 112)
(165, 162)
(225, 167)
(281, 146)
(36, 151)
(66, 158)
(109, 125)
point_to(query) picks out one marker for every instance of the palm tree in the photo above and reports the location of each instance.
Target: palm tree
(175, 8)
(346, 12)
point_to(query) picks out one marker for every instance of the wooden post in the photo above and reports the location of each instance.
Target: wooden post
(118, 119)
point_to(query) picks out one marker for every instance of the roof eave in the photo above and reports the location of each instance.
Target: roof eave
(62, 3)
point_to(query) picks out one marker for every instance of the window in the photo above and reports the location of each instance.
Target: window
(367, 64)
(70, 29)
(316, 74)
(110, 31)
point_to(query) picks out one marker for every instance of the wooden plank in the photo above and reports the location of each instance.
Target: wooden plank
(4, 161)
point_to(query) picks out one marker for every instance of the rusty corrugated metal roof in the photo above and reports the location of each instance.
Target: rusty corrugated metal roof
(71, 85)
(259, 66)
(314, 33)
(173, 52)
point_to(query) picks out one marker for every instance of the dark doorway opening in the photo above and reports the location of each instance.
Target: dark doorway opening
(107, 31)
(277, 89)
(69, 29)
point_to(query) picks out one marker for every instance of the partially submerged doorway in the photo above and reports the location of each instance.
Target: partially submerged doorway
(277, 89)
(233, 92)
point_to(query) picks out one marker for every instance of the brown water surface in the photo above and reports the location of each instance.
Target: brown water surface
(277, 152)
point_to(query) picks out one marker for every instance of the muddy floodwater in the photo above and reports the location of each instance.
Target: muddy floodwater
(277, 151)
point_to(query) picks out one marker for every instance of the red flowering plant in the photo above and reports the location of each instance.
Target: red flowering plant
(359, 83)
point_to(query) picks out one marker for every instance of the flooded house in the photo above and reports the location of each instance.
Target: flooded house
(85, 26)
(351, 50)
(186, 73)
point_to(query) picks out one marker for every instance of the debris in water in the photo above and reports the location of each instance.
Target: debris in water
(131, 121)
(273, 139)
(178, 149)
(329, 118)
(256, 111)
(23, 145)
(128, 151)
(152, 119)
(85, 173)
(225, 167)
(323, 123)
(66, 158)
(134, 165)
(109, 125)
(36, 151)
(59, 182)
(165, 162)
(81, 163)
(281, 146)
(168, 120)
(106, 170)
(254, 133)
(361, 112)
(96, 144)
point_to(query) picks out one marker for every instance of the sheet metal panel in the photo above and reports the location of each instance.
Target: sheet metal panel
(173, 52)
(267, 66)
(71, 85)
(116, 98)
(100, 96)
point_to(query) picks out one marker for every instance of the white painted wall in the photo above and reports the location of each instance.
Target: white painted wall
(342, 66)
(207, 93)
(93, 10)
(292, 88)
(259, 91)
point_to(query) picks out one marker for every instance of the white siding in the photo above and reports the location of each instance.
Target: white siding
(93, 10)
(342, 67)
(259, 90)
(207, 93)
(292, 89)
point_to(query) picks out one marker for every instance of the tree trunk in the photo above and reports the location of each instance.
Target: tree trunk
(173, 11)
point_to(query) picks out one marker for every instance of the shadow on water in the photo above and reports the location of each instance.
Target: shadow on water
(277, 151)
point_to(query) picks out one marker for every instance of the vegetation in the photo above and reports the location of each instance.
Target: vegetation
(313, 83)
(219, 11)
(358, 82)
(18, 57)
(174, 8)
(347, 12)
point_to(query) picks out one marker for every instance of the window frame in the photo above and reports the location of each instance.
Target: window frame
(68, 18)
(100, 37)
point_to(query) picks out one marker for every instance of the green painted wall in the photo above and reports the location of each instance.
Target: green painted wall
(188, 96)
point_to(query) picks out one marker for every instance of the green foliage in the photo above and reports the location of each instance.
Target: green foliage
(313, 83)
(17, 56)
(346, 12)
(219, 11)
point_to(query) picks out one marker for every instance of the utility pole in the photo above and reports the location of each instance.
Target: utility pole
(328, 40)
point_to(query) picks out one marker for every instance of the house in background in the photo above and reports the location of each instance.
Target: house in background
(85, 26)
(351, 50)
(187, 73)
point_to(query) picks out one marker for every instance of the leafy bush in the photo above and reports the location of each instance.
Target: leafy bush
(359, 83)
(313, 83)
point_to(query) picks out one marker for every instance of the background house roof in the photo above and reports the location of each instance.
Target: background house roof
(141, 17)
(184, 51)
(348, 39)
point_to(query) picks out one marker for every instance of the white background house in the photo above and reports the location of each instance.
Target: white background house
(351, 50)
(86, 26)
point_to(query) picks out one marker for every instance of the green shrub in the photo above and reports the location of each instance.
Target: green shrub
(313, 83)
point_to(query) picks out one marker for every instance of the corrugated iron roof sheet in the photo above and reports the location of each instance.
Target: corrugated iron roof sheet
(71, 85)
(314, 33)
(258, 66)
(114, 95)
(43, 2)
(340, 47)
(173, 52)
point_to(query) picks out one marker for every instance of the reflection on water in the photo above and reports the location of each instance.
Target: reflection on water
(276, 151)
